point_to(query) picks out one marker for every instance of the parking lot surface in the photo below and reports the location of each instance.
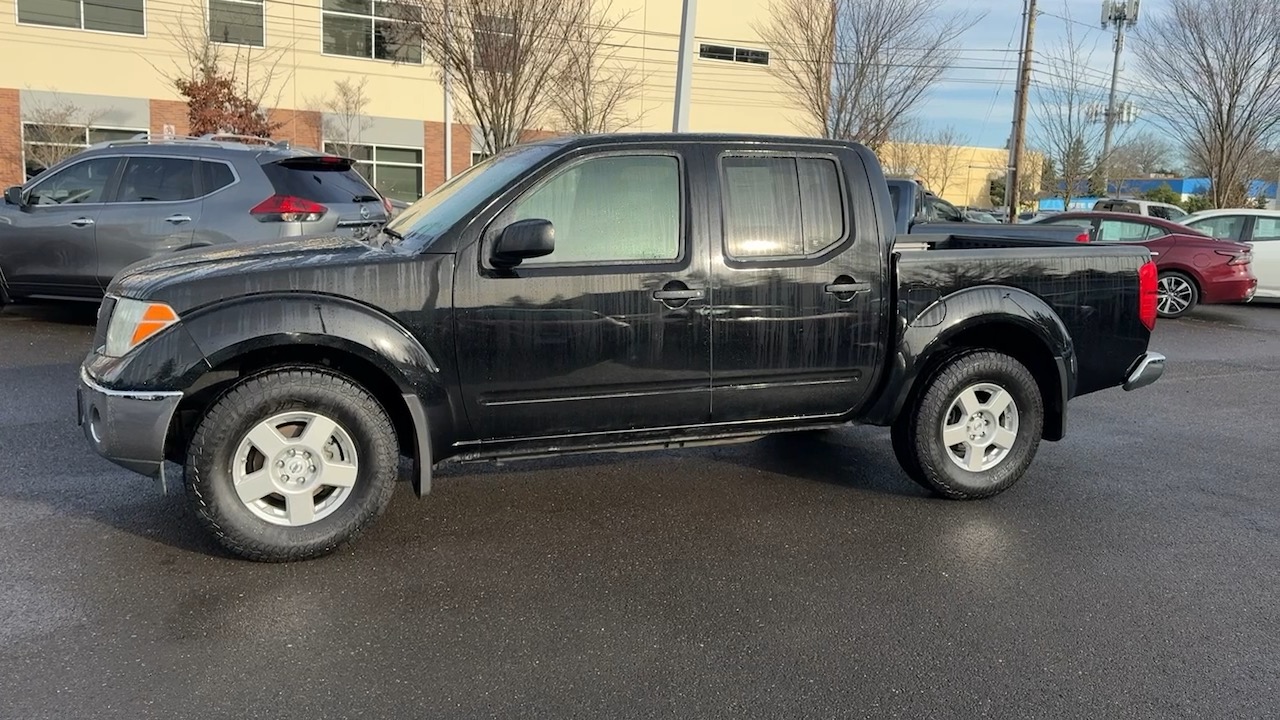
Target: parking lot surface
(1133, 572)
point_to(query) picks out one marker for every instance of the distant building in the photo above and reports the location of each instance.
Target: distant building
(959, 174)
(1185, 188)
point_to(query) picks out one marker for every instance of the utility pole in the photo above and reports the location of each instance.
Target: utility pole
(680, 121)
(1123, 14)
(448, 103)
(1013, 179)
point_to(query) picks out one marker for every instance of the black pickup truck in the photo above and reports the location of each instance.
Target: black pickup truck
(603, 293)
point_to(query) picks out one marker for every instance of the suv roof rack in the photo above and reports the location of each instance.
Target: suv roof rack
(207, 140)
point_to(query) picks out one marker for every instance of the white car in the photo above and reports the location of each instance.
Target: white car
(1259, 228)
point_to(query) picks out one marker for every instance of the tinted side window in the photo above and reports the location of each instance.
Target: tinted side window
(157, 179)
(623, 208)
(780, 206)
(83, 182)
(322, 182)
(1226, 227)
(1122, 231)
(215, 176)
(942, 210)
(1266, 229)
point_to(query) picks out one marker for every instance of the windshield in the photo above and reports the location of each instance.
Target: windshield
(424, 221)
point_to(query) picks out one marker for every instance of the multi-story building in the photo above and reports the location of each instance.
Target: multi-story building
(104, 68)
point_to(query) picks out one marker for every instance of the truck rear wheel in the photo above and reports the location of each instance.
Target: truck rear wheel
(291, 464)
(975, 428)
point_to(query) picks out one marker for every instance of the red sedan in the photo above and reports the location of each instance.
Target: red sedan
(1194, 267)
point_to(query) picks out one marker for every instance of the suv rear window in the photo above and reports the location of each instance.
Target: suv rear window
(322, 181)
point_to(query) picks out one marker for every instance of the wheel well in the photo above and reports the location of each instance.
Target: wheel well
(217, 380)
(1022, 345)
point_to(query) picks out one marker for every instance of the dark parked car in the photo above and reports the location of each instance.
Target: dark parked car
(919, 212)
(70, 229)
(602, 293)
(1194, 267)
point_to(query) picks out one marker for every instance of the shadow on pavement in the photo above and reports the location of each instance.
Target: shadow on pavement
(60, 313)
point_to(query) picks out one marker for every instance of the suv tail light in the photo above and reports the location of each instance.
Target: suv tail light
(1148, 278)
(386, 205)
(1237, 258)
(1082, 237)
(287, 208)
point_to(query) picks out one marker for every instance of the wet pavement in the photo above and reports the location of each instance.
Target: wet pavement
(1133, 572)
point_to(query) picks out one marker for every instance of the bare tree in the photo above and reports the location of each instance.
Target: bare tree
(1218, 64)
(229, 87)
(1064, 105)
(1141, 155)
(592, 90)
(504, 56)
(859, 68)
(345, 120)
(54, 130)
(933, 156)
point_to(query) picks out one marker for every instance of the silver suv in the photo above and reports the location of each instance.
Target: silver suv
(69, 230)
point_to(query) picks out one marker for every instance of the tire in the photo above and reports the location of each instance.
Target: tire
(256, 433)
(1007, 434)
(1177, 294)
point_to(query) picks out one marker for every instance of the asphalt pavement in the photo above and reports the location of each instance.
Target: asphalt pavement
(1134, 572)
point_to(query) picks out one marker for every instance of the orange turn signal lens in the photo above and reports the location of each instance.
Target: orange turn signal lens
(155, 318)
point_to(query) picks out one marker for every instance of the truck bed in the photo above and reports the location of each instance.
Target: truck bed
(1089, 287)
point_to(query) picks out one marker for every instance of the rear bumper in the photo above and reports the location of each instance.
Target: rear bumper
(1146, 370)
(127, 427)
(1232, 290)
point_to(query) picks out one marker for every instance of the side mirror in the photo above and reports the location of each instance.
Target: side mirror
(13, 196)
(522, 240)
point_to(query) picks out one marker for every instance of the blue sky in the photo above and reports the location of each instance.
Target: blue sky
(978, 93)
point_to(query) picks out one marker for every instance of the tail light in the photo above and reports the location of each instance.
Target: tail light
(287, 208)
(1237, 258)
(1082, 237)
(386, 205)
(1148, 278)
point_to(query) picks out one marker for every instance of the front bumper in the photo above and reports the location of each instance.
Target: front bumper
(1145, 371)
(127, 427)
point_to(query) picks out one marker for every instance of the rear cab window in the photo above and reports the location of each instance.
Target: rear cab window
(321, 179)
(781, 207)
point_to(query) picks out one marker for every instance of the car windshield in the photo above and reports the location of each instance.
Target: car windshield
(425, 220)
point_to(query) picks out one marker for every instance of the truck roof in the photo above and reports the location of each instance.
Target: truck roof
(686, 137)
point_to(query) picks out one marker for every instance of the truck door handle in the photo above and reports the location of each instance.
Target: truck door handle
(677, 294)
(177, 219)
(840, 287)
(82, 222)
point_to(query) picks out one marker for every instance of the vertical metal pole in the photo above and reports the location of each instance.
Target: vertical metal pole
(448, 102)
(680, 121)
(1110, 120)
(1013, 180)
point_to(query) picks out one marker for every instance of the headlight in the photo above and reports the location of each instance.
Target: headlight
(133, 321)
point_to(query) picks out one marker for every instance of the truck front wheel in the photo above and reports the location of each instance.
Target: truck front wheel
(975, 427)
(291, 464)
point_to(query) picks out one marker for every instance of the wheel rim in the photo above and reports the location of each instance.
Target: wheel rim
(295, 468)
(1175, 295)
(980, 427)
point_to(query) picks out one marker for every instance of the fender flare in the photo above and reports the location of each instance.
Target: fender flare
(233, 328)
(929, 336)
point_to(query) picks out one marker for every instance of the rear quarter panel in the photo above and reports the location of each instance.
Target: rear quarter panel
(1092, 290)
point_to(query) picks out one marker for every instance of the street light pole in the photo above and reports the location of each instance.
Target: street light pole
(680, 121)
(1123, 14)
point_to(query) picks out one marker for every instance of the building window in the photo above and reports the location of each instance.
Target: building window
(495, 43)
(728, 53)
(239, 22)
(116, 16)
(365, 28)
(478, 157)
(396, 172)
(44, 146)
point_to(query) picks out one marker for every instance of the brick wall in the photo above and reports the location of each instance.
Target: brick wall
(169, 112)
(433, 152)
(302, 128)
(11, 171)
